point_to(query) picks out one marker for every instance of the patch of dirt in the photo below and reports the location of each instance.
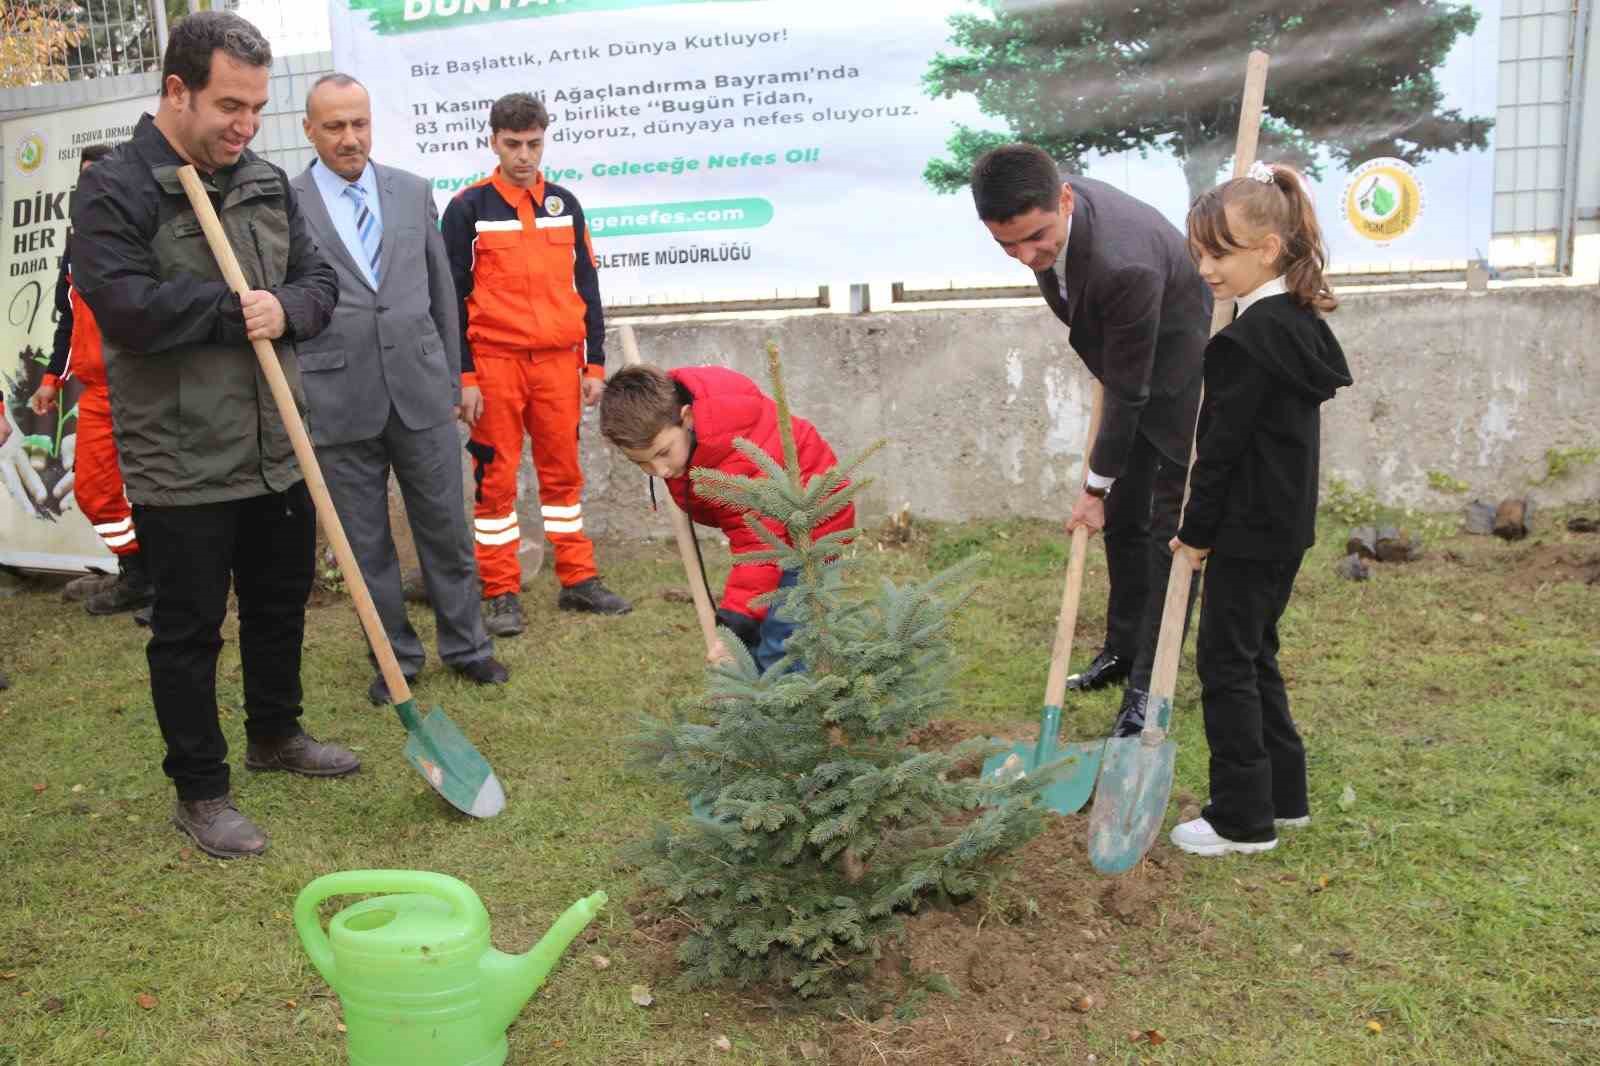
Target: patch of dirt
(1546, 563)
(944, 733)
(1031, 964)
(1015, 975)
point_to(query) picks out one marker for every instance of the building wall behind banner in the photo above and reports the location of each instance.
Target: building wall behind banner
(984, 410)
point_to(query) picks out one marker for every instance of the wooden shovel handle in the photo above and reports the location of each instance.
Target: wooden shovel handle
(399, 691)
(1164, 672)
(1055, 688)
(681, 530)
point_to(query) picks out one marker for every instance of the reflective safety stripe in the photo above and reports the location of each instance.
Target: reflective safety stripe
(495, 525)
(106, 529)
(573, 526)
(118, 541)
(492, 539)
(574, 511)
(559, 222)
(483, 226)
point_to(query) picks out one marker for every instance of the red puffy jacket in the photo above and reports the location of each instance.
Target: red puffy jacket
(727, 405)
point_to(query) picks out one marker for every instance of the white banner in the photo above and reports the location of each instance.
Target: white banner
(40, 525)
(716, 146)
(749, 145)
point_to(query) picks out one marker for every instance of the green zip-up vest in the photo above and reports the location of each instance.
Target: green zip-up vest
(197, 423)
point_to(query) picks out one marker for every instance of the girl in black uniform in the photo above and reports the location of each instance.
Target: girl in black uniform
(1253, 493)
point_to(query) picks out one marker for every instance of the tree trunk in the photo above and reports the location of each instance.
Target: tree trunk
(1201, 164)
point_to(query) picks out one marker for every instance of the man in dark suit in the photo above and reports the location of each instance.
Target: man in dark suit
(383, 381)
(1120, 276)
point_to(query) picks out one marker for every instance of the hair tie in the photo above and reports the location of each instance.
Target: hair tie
(1261, 172)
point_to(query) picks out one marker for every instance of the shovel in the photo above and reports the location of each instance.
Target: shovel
(683, 532)
(440, 752)
(1071, 786)
(1136, 772)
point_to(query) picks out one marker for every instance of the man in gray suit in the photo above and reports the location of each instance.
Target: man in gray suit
(383, 381)
(1119, 275)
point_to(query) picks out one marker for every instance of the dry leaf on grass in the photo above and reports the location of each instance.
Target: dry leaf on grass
(146, 1001)
(722, 1043)
(600, 961)
(1374, 1027)
(640, 994)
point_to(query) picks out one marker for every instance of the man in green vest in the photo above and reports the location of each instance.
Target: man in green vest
(217, 496)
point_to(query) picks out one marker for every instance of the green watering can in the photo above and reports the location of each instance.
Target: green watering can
(420, 983)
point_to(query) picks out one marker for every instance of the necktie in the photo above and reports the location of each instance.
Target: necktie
(367, 226)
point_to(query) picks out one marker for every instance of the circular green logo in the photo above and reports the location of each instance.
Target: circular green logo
(30, 153)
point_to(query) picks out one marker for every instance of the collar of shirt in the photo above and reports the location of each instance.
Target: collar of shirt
(515, 194)
(332, 186)
(342, 210)
(1275, 287)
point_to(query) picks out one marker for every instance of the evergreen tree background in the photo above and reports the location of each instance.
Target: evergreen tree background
(1353, 79)
(822, 826)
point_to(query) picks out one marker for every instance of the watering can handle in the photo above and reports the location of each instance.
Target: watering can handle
(463, 901)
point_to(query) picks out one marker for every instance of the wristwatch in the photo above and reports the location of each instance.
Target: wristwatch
(1099, 492)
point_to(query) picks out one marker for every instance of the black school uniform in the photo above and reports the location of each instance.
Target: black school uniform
(1253, 502)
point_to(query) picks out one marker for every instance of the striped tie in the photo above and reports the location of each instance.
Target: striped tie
(367, 226)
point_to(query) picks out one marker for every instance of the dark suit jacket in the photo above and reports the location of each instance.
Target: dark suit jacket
(1140, 317)
(398, 347)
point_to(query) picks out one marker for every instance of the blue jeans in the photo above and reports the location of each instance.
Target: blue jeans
(775, 631)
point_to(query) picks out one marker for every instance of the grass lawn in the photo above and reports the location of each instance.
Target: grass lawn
(1442, 908)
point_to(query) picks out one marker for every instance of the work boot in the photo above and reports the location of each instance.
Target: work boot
(594, 597)
(300, 754)
(1107, 669)
(81, 588)
(1130, 716)
(485, 671)
(502, 615)
(219, 828)
(141, 617)
(131, 591)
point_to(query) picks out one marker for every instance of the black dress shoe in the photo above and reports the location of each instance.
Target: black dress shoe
(1107, 669)
(485, 671)
(378, 691)
(1130, 717)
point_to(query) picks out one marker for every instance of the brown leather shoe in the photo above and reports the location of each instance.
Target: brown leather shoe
(301, 754)
(218, 827)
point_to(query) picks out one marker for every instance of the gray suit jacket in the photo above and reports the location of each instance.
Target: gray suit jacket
(1140, 317)
(398, 347)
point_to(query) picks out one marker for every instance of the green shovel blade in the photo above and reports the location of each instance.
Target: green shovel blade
(1072, 768)
(1130, 800)
(447, 760)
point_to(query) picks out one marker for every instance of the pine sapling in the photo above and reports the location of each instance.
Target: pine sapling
(823, 825)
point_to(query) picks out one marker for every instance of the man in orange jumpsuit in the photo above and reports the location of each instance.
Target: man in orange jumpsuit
(532, 355)
(97, 478)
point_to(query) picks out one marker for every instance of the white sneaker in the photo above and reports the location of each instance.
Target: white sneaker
(1198, 838)
(1292, 823)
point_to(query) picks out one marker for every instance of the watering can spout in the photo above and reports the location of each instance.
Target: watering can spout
(511, 980)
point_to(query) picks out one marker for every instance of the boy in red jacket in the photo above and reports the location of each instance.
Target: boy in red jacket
(669, 421)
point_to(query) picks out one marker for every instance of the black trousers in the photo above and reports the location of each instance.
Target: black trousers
(1142, 513)
(266, 547)
(1258, 764)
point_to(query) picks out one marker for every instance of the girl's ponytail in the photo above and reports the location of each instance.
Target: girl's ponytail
(1305, 255)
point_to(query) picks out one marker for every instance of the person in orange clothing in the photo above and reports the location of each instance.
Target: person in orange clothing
(532, 357)
(97, 477)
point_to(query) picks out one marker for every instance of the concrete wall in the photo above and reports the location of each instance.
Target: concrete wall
(984, 410)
